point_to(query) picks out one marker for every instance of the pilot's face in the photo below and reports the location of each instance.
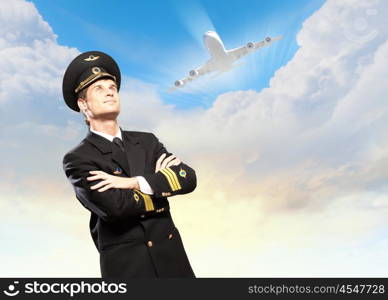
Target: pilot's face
(102, 100)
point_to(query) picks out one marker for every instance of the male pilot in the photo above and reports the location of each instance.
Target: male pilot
(123, 178)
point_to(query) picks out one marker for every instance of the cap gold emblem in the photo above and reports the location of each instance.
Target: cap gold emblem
(91, 58)
(96, 70)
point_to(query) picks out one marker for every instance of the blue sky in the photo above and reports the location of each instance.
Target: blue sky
(160, 41)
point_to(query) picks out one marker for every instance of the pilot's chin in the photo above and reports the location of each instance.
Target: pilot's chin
(110, 114)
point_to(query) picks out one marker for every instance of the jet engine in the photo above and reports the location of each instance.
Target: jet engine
(178, 83)
(268, 39)
(250, 45)
(193, 73)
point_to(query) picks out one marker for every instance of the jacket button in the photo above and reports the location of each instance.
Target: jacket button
(170, 236)
(149, 243)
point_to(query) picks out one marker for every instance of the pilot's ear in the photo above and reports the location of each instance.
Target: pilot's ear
(81, 104)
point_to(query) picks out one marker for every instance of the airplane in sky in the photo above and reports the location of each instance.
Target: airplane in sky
(221, 60)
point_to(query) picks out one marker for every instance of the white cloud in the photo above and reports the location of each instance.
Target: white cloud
(21, 24)
(32, 65)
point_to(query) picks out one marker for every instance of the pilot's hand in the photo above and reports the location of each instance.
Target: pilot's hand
(164, 162)
(111, 181)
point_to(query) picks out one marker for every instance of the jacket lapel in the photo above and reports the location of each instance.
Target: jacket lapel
(106, 147)
(99, 142)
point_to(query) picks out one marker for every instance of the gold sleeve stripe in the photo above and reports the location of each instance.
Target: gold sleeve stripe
(174, 178)
(149, 205)
(169, 179)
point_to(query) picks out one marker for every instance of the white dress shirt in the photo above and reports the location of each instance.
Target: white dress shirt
(143, 184)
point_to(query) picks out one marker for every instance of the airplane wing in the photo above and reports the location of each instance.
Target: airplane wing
(250, 47)
(193, 74)
(211, 64)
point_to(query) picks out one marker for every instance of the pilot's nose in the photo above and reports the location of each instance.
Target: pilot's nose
(109, 92)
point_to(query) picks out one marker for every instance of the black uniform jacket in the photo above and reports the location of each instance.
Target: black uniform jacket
(133, 232)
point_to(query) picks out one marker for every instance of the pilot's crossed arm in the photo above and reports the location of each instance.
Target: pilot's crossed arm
(172, 177)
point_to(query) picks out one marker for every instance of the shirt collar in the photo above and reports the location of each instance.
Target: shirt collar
(108, 136)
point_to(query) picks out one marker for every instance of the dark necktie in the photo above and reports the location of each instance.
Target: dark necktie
(119, 143)
(119, 154)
